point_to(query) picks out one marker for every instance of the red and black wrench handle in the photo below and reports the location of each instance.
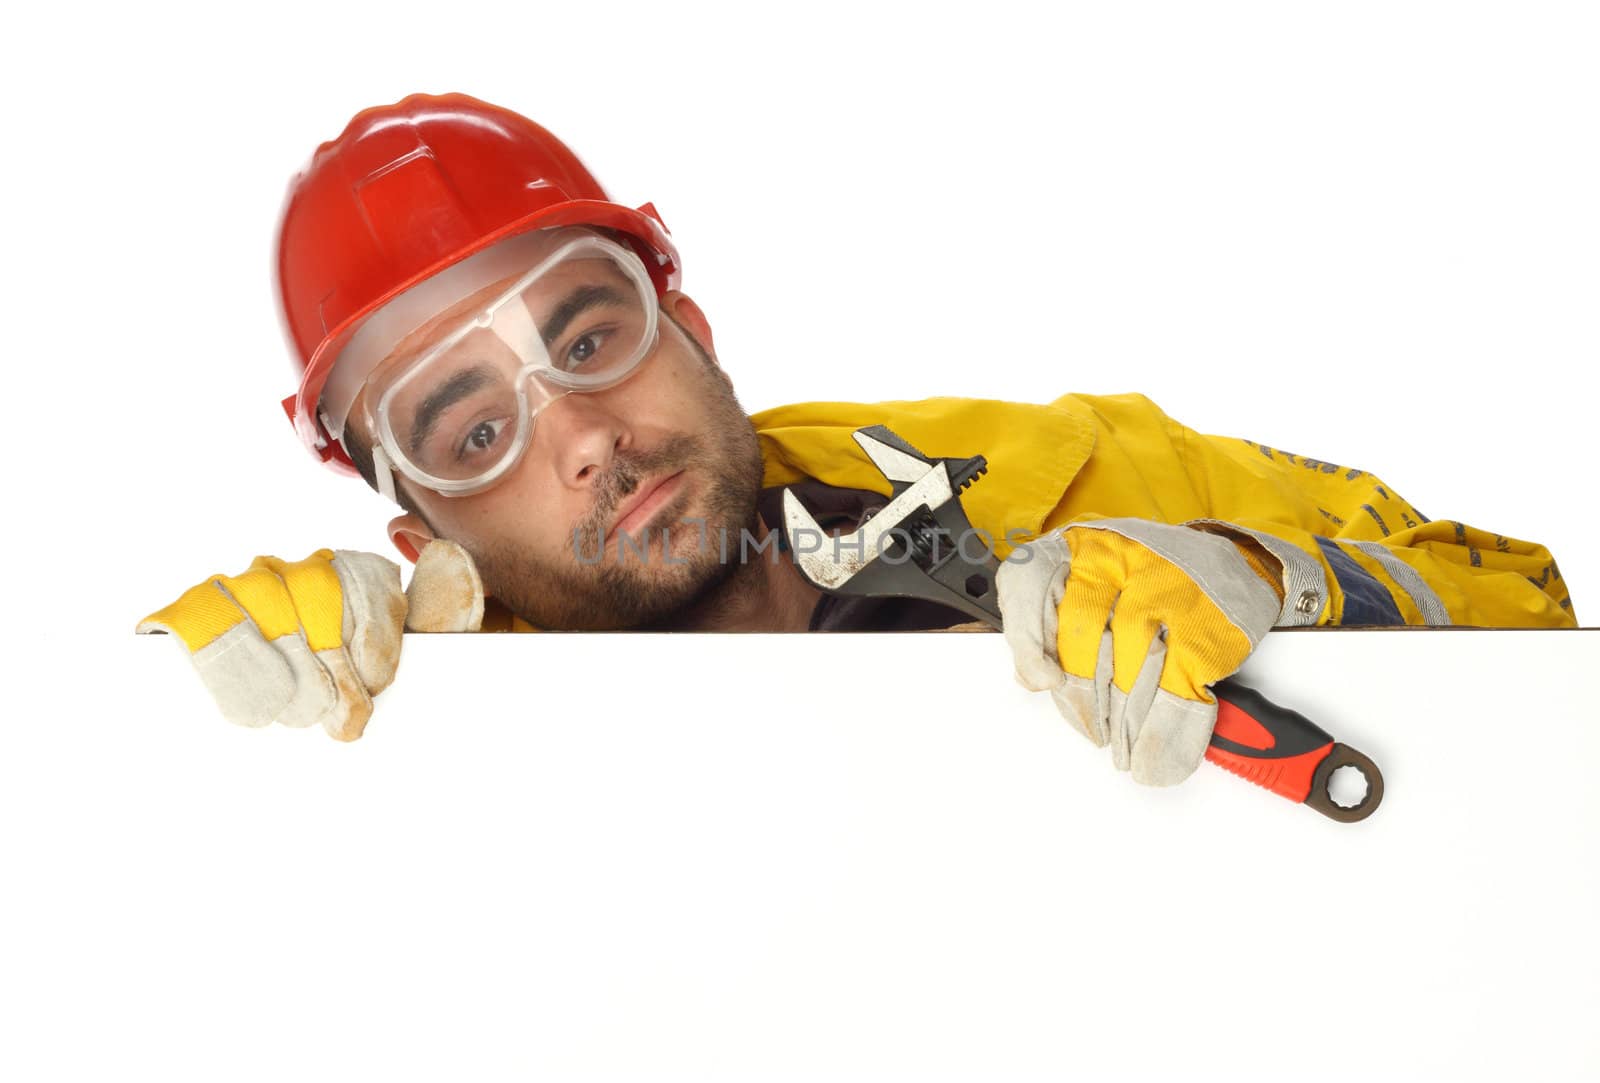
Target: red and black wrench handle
(1286, 752)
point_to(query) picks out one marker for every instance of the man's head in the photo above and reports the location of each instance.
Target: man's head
(556, 537)
(490, 341)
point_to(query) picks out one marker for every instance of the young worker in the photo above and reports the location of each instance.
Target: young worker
(491, 342)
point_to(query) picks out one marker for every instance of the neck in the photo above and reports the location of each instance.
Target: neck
(766, 593)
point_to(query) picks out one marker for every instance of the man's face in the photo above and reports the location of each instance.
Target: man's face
(577, 534)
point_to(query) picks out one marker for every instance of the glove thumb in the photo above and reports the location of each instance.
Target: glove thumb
(445, 593)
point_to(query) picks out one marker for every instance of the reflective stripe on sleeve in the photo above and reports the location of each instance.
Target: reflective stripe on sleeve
(1422, 595)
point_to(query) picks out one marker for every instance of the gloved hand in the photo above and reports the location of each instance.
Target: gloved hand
(314, 640)
(1127, 622)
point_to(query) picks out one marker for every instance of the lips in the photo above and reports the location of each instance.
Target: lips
(636, 511)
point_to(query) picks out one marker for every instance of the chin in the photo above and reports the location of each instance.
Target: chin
(654, 593)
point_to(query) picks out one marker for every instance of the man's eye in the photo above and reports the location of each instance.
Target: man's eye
(584, 349)
(482, 436)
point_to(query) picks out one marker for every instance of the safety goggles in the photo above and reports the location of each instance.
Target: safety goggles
(471, 360)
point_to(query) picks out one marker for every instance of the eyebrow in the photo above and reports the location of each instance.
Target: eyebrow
(454, 390)
(576, 302)
(467, 381)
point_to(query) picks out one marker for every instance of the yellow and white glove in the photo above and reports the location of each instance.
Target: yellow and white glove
(312, 641)
(1127, 622)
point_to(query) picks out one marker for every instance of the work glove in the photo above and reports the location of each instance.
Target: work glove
(312, 641)
(1128, 622)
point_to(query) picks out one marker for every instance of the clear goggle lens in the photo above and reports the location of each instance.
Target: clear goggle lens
(457, 415)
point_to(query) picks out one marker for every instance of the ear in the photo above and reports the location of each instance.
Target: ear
(410, 535)
(682, 308)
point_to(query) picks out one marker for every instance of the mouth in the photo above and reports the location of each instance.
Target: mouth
(635, 513)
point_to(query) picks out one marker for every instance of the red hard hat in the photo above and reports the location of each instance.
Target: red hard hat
(407, 190)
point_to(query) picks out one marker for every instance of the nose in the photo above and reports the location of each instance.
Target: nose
(581, 435)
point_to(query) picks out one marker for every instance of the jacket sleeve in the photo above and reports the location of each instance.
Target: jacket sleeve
(1352, 550)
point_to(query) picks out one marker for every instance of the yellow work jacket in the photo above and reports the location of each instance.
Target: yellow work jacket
(1352, 550)
(1087, 457)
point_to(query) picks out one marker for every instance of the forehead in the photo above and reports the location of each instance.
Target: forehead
(548, 288)
(437, 327)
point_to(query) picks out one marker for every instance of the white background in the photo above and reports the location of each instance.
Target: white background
(1365, 232)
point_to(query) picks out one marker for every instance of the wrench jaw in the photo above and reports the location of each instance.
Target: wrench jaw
(919, 545)
(895, 459)
(829, 567)
(904, 465)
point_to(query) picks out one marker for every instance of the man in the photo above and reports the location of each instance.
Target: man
(496, 346)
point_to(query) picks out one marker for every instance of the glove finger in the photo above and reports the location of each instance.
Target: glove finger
(374, 616)
(325, 690)
(1088, 603)
(1196, 583)
(300, 609)
(1028, 594)
(445, 593)
(308, 591)
(1173, 739)
(248, 678)
(314, 693)
(1085, 701)
(345, 717)
(199, 616)
(1129, 710)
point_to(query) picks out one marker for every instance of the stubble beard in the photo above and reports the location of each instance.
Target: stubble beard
(640, 587)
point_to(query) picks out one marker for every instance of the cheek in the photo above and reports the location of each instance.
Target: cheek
(674, 391)
(504, 518)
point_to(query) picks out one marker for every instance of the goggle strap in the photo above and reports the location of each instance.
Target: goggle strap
(384, 475)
